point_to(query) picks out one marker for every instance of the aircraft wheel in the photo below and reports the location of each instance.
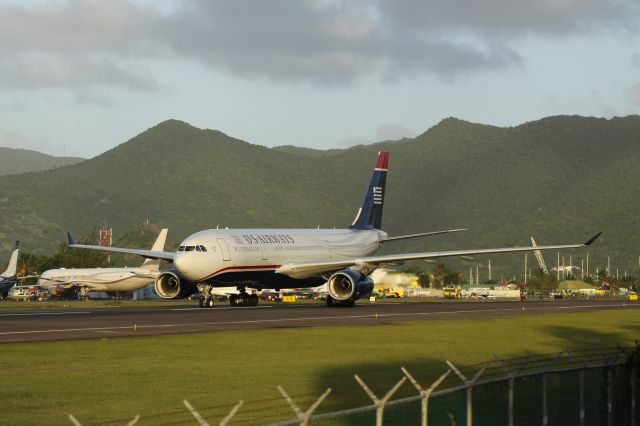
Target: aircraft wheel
(245, 299)
(209, 303)
(233, 300)
(253, 300)
(201, 301)
(330, 301)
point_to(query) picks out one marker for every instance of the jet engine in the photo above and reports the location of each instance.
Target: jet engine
(169, 285)
(348, 285)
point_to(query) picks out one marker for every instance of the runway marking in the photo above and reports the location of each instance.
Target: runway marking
(368, 316)
(222, 308)
(41, 313)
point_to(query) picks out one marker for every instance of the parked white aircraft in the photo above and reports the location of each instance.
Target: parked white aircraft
(107, 279)
(8, 278)
(293, 258)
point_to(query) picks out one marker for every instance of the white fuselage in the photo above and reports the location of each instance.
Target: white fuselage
(227, 256)
(100, 279)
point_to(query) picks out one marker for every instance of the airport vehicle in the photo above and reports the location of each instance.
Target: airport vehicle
(294, 258)
(8, 278)
(451, 293)
(111, 280)
(389, 293)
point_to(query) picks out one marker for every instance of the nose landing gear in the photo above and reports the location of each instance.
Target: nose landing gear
(206, 296)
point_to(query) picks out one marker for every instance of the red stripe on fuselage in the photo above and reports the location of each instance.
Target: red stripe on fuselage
(256, 267)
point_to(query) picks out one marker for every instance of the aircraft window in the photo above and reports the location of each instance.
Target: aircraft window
(189, 248)
(181, 248)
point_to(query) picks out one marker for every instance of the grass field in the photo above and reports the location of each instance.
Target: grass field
(109, 381)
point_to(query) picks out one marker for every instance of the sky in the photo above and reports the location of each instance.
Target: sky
(78, 77)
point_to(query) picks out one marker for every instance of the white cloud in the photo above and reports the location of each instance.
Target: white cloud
(384, 132)
(634, 95)
(328, 42)
(393, 131)
(17, 140)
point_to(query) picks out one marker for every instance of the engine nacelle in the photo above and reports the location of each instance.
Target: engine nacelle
(169, 285)
(349, 285)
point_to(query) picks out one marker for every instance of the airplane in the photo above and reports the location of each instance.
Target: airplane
(8, 278)
(294, 258)
(111, 280)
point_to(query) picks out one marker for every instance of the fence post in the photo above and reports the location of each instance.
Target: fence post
(74, 421)
(633, 395)
(232, 413)
(425, 393)
(201, 421)
(582, 397)
(380, 403)
(469, 384)
(512, 378)
(304, 417)
(609, 396)
(545, 415)
(77, 423)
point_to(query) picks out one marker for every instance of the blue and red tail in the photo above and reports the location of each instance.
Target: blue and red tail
(370, 213)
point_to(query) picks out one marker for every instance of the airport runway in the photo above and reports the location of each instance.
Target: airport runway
(77, 323)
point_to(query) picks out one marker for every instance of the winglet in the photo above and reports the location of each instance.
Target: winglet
(70, 239)
(595, 237)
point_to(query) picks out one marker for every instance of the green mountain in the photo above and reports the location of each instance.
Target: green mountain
(13, 161)
(559, 179)
(306, 152)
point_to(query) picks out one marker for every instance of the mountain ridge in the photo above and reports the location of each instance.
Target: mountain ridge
(559, 179)
(17, 160)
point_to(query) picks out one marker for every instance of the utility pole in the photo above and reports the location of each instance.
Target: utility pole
(558, 268)
(582, 269)
(489, 269)
(608, 266)
(570, 265)
(477, 273)
(525, 268)
(588, 264)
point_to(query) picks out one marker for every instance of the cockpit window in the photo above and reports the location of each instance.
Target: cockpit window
(189, 248)
(202, 248)
(181, 248)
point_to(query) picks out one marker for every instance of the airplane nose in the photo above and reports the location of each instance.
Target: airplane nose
(179, 261)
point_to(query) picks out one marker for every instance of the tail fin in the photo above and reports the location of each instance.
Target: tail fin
(154, 264)
(370, 213)
(13, 262)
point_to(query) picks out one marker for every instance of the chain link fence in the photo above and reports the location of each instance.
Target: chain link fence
(595, 387)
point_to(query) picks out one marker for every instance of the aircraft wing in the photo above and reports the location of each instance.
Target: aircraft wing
(422, 234)
(308, 269)
(149, 254)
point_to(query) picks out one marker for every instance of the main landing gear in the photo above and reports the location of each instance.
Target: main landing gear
(243, 299)
(206, 299)
(339, 303)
